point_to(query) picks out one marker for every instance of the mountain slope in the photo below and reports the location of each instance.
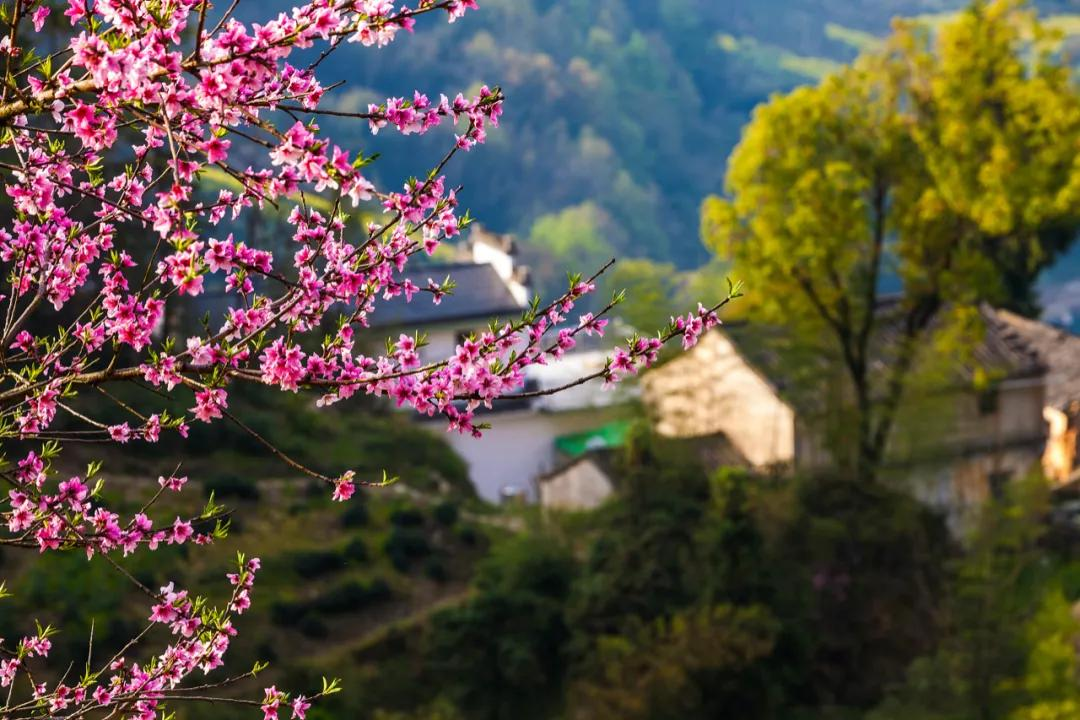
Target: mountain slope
(623, 109)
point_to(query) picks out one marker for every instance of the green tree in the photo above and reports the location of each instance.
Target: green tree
(1051, 677)
(999, 647)
(732, 545)
(945, 163)
(500, 655)
(642, 564)
(859, 574)
(576, 237)
(699, 663)
(650, 288)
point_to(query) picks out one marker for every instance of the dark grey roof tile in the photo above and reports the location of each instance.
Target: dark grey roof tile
(480, 295)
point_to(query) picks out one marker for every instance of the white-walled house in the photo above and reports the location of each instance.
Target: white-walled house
(960, 448)
(713, 389)
(584, 483)
(1060, 351)
(522, 443)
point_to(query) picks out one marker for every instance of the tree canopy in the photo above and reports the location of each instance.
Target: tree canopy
(942, 167)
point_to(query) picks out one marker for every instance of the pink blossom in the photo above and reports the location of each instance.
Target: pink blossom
(300, 707)
(209, 403)
(119, 138)
(172, 482)
(181, 532)
(271, 702)
(120, 433)
(344, 488)
(40, 16)
(216, 149)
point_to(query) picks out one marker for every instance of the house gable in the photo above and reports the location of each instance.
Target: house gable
(582, 485)
(713, 389)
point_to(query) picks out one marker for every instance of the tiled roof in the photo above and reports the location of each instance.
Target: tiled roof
(480, 295)
(1006, 349)
(1058, 349)
(1000, 350)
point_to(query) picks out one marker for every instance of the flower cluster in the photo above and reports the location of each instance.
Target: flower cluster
(275, 700)
(199, 635)
(53, 515)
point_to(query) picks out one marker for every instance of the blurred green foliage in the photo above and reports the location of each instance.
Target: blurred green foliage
(357, 435)
(941, 167)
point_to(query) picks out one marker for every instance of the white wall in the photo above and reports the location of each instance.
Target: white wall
(484, 254)
(713, 389)
(519, 447)
(582, 486)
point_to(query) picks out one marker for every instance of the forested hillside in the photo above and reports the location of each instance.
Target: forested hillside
(621, 113)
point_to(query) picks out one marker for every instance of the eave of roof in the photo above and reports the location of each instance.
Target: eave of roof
(1058, 349)
(480, 294)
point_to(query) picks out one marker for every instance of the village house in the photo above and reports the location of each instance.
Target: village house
(588, 476)
(956, 447)
(582, 483)
(533, 437)
(528, 437)
(489, 285)
(1059, 350)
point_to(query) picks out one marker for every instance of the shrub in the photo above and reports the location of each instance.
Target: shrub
(233, 487)
(315, 563)
(446, 513)
(355, 515)
(286, 613)
(313, 627)
(468, 535)
(407, 517)
(356, 550)
(349, 596)
(379, 589)
(404, 545)
(340, 598)
(435, 569)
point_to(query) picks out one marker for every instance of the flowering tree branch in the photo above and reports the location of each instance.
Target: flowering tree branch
(104, 148)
